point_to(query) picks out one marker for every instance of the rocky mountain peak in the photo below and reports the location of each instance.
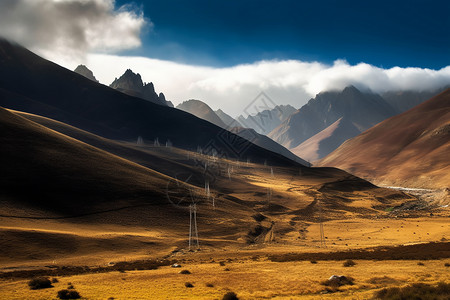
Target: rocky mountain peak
(83, 70)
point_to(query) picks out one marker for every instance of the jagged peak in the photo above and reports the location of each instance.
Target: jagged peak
(84, 71)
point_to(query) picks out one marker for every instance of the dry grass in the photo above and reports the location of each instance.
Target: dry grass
(249, 279)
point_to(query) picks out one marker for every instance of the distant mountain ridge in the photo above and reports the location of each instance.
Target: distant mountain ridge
(131, 83)
(227, 119)
(411, 149)
(203, 111)
(364, 110)
(265, 121)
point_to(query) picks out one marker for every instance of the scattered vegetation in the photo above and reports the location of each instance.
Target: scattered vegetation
(40, 283)
(77, 270)
(188, 285)
(230, 296)
(382, 280)
(426, 251)
(68, 294)
(222, 263)
(420, 291)
(349, 263)
(185, 272)
(259, 217)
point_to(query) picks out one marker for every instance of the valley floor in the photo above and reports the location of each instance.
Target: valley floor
(251, 270)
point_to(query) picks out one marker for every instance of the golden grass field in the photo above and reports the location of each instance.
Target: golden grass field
(152, 225)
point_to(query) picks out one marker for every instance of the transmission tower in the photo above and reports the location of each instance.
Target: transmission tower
(322, 234)
(193, 231)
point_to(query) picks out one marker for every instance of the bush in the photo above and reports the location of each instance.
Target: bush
(209, 284)
(185, 272)
(40, 283)
(222, 263)
(55, 280)
(349, 263)
(230, 296)
(66, 294)
(337, 281)
(313, 261)
(420, 263)
(188, 285)
(415, 291)
(447, 265)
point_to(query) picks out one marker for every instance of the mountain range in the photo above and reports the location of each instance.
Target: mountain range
(31, 84)
(203, 111)
(265, 121)
(411, 149)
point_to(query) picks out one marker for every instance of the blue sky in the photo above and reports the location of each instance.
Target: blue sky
(225, 53)
(413, 33)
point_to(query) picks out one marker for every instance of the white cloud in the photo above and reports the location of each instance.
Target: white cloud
(71, 28)
(286, 82)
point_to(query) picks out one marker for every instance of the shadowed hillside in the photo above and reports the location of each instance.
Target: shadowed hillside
(63, 95)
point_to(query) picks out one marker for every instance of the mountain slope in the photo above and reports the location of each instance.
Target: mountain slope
(326, 141)
(404, 100)
(411, 149)
(227, 119)
(63, 95)
(202, 110)
(362, 109)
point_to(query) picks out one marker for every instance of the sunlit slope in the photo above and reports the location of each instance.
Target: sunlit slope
(410, 149)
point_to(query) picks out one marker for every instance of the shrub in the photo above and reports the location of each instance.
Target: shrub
(55, 280)
(226, 269)
(40, 283)
(313, 261)
(337, 281)
(447, 265)
(222, 263)
(66, 294)
(185, 272)
(420, 263)
(349, 263)
(230, 296)
(415, 291)
(209, 284)
(70, 287)
(188, 285)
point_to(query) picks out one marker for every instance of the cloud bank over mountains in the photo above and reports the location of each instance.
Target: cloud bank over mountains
(93, 32)
(71, 28)
(286, 82)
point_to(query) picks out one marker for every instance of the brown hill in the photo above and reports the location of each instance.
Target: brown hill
(321, 144)
(411, 149)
